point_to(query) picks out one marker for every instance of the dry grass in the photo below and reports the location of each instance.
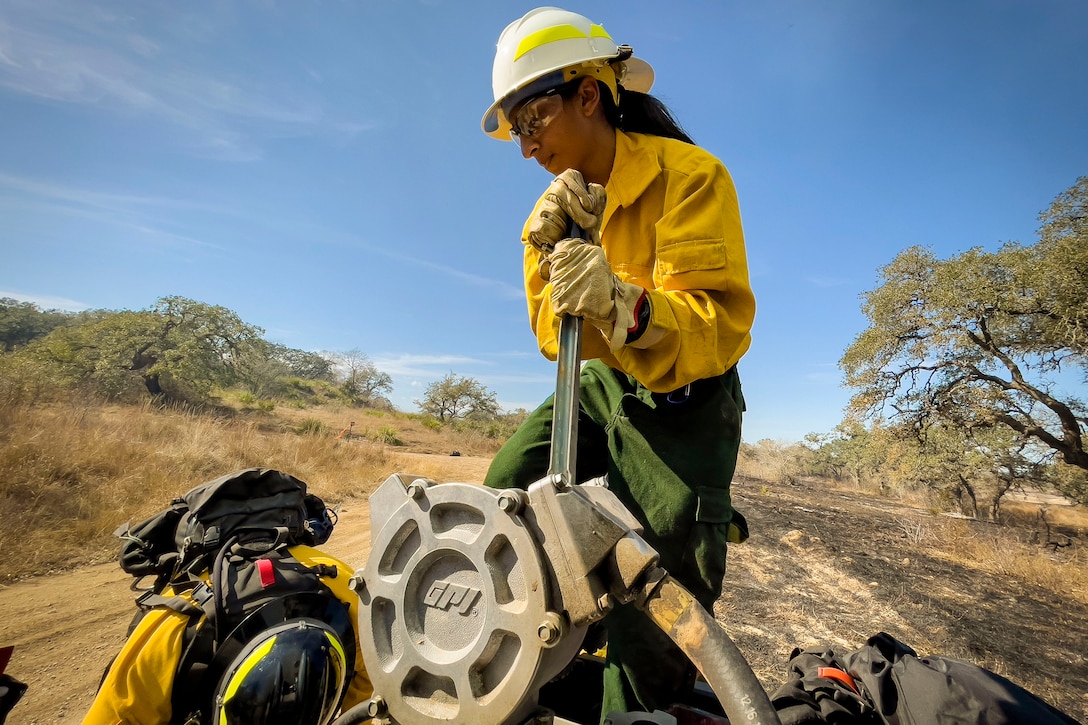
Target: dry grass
(1012, 549)
(70, 475)
(1000, 552)
(831, 565)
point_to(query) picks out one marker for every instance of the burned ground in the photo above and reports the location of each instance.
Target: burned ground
(835, 567)
(823, 566)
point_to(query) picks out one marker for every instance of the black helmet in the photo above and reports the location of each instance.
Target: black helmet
(296, 672)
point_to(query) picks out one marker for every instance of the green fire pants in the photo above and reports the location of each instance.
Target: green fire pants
(670, 460)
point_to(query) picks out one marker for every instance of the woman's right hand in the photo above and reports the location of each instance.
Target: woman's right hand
(567, 198)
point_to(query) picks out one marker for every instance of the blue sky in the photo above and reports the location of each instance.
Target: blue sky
(318, 167)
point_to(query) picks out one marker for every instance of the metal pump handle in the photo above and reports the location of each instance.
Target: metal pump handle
(564, 453)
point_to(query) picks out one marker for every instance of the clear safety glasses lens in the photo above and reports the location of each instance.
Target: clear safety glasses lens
(534, 116)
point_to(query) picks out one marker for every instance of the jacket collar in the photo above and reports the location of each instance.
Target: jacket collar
(635, 168)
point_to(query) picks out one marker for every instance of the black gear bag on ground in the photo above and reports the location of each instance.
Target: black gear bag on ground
(220, 556)
(252, 588)
(887, 683)
(255, 503)
(819, 691)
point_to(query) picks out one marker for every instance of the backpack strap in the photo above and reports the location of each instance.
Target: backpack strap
(150, 600)
(252, 586)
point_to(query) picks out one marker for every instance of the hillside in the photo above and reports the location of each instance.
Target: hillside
(823, 566)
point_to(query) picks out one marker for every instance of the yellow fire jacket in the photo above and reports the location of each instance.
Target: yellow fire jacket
(672, 226)
(138, 686)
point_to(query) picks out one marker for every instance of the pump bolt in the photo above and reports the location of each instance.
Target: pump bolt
(548, 632)
(415, 490)
(375, 706)
(512, 502)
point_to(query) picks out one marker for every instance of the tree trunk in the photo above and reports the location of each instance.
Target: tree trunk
(151, 382)
(965, 487)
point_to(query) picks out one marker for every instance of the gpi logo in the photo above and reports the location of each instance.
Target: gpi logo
(447, 595)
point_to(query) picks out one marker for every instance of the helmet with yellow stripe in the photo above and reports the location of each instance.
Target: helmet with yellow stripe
(294, 673)
(548, 47)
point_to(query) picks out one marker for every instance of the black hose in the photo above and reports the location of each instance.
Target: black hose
(695, 631)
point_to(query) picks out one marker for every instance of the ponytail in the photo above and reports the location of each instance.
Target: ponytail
(641, 113)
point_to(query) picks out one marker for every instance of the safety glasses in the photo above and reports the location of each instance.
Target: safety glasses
(534, 116)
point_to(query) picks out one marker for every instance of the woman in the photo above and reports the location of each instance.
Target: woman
(663, 287)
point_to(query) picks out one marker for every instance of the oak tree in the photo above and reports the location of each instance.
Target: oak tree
(985, 339)
(179, 349)
(455, 397)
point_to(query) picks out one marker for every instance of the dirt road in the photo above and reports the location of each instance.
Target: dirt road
(821, 567)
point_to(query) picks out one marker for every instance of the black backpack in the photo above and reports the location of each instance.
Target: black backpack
(887, 683)
(220, 555)
(252, 504)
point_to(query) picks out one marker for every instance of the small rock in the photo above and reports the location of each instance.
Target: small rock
(792, 537)
(905, 562)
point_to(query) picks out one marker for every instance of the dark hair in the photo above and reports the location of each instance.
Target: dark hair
(641, 113)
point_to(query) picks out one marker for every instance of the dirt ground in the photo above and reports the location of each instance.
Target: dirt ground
(821, 568)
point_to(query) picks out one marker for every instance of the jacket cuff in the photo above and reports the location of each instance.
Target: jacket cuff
(648, 332)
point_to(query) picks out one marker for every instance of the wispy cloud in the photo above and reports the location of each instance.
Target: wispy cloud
(133, 212)
(150, 215)
(823, 373)
(47, 302)
(505, 290)
(423, 365)
(489, 370)
(99, 199)
(86, 55)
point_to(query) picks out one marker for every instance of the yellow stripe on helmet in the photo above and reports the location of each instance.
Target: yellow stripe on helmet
(240, 674)
(335, 642)
(556, 33)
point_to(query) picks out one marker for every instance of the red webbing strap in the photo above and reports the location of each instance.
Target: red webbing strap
(267, 572)
(834, 673)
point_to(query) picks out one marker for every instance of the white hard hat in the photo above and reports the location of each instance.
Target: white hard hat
(548, 47)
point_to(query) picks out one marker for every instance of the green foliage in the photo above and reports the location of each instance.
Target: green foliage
(302, 364)
(774, 460)
(1070, 481)
(259, 372)
(361, 381)
(981, 341)
(431, 423)
(847, 452)
(388, 434)
(178, 349)
(459, 398)
(25, 380)
(312, 426)
(301, 393)
(23, 322)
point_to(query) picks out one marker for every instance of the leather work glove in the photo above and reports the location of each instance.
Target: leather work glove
(568, 197)
(583, 285)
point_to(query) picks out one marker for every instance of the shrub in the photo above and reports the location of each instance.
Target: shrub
(387, 434)
(312, 426)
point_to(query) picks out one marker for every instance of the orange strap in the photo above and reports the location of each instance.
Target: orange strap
(834, 673)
